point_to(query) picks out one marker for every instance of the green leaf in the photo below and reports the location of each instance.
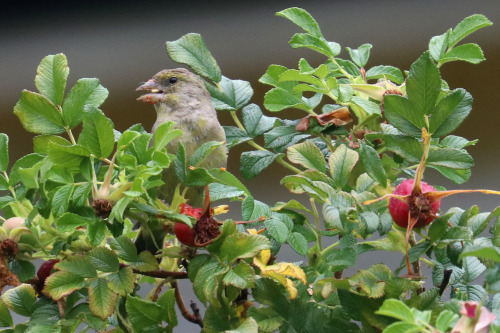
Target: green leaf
(20, 299)
(101, 299)
(279, 138)
(255, 122)
(396, 309)
(371, 108)
(389, 72)
(360, 55)
(78, 265)
(450, 112)
(438, 45)
(85, 92)
(146, 262)
(309, 41)
(143, 314)
(277, 229)
(308, 155)
(406, 327)
(97, 134)
(445, 319)
(472, 268)
(471, 53)
(4, 152)
(369, 223)
(37, 114)
(60, 200)
(61, 284)
(225, 177)
(466, 27)
(5, 317)
(206, 281)
(104, 259)
(202, 152)
(180, 163)
(122, 282)
(68, 156)
(341, 162)
(125, 248)
(191, 50)
(252, 209)
(253, 162)
(278, 99)
(240, 245)
(372, 163)
(303, 19)
(24, 269)
(234, 136)
(484, 250)
(167, 302)
(221, 191)
(241, 276)
(164, 134)
(69, 222)
(298, 242)
(450, 158)
(248, 326)
(438, 227)
(232, 95)
(51, 76)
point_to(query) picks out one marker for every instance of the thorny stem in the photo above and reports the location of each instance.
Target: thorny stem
(182, 307)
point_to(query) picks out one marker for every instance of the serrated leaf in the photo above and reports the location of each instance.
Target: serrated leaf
(254, 209)
(255, 122)
(180, 163)
(438, 45)
(60, 200)
(341, 162)
(78, 265)
(278, 99)
(450, 158)
(37, 114)
(70, 221)
(51, 76)
(298, 242)
(5, 317)
(122, 282)
(67, 156)
(104, 259)
(146, 262)
(450, 112)
(163, 135)
(242, 246)
(312, 42)
(85, 92)
(234, 136)
(143, 314)
(466, 27)
(167, 302)
(101, 299)
(360, 55)
(125, 248)
(20, 299)
(231, 95)
(4, 152)
(279, 138)
(372, 163)
(389, 72)
(241, 276)
(225, 177)
(202, 152)
(97, 134)
(191, 50)
(396, 309)
(308, 155)
(60, 284)
(221, 191)
(471, 53)
(253, 162)
(24, 269)
(303, 19)
(277, 229)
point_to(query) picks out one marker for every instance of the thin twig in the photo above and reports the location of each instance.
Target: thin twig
(163, 274)
(158, 291)
(194, 318)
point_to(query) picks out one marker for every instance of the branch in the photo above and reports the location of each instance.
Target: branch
(163, 274)
(194, 318)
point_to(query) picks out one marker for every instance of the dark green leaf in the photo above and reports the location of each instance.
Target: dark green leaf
(253, 162)
(69, 222)
(240, 245)
(38, 115)
(235, 136)
(202, 152)
(180, 163)
(85, 92)
(221, 191)
(5, 317)
(277, 229)
(125, 248)
(24, 270)
(279, 138)
(78, 265)
(225, 177)
(60, 200)
(450, 158)
(298, 242)
(252, 209)
(232, 94)
(51, 75)
(450, 112)
(466, 27)
(143, 314)
(104, 259)
(255, 122)
(241, 276)
(191, 50)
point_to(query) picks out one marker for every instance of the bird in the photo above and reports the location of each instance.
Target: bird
(180, 96)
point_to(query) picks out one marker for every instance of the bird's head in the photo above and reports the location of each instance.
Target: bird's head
(171, 82)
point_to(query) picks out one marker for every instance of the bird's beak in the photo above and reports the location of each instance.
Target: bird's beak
(155, 93)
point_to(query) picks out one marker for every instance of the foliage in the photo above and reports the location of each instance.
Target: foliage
(80, 197)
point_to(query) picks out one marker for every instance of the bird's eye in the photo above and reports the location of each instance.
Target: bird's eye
(173, 79)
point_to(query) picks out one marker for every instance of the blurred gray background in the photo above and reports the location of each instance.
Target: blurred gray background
(123, 44)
